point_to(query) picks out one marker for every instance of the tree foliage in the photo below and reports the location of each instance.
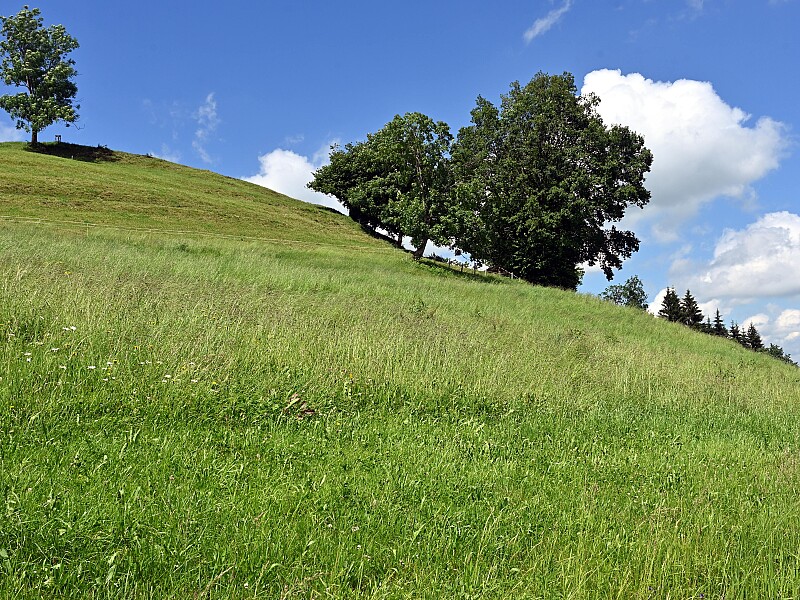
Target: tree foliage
(539, 178)
(631, 293)
(718, 328)
(691, 315)
(752, 338)
(671, 307)
(35, 58)
(398, 180)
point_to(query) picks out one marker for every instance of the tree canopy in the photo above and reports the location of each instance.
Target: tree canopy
(398, 180)
(35, 58)
(539, 178)
(671, 306)
(529, 188)
(631, 293)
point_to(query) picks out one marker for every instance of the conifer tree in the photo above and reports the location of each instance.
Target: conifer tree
(670, 306)
(734, 333)
(691, 314)
(719, 326)
(753, 339)
(706, 327)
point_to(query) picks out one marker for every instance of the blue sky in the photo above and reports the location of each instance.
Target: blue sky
(260, 90)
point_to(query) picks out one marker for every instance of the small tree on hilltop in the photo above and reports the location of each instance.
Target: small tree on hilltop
(691, 315)
(670, 306)
(631, 293)
(35, 58)
(734, 333)
(706, 327)
(777, 352)
(753, 339)
(719, 326)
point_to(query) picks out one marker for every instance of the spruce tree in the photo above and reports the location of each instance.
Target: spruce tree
(670, 306)
(734, 333)
(691, 314)
(706, 327)
(753, 339)
(719, 326)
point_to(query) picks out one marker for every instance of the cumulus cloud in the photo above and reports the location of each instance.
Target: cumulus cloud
(288, 173)
(762, 260)
(702, 148)
(9, 133)
(207, 122)
(783, 329)
(543, 24)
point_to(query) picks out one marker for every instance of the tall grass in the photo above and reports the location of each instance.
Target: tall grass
(201, 416)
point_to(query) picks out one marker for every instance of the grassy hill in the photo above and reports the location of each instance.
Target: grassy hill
(211, 390)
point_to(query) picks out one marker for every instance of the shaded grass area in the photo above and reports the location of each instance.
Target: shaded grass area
(459, 439)
(73, 151)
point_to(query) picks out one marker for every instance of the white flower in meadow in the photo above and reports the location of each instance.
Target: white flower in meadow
(54, 349)
(92, 367)
(27, 354)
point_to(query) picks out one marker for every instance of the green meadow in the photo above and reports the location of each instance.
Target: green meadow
(209, 390)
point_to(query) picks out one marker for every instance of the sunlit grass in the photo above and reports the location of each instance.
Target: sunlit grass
(202, 416)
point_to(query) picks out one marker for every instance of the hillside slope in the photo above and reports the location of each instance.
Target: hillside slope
(133, 191)
(199, 415)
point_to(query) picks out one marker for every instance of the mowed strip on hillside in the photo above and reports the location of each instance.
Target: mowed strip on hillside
(145, 193)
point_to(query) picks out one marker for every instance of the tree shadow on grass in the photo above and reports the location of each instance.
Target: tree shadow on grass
(74, 151)
(443, 268)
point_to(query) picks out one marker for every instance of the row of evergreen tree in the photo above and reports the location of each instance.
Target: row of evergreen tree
(686, 310)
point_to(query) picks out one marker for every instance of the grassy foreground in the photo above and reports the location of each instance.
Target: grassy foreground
(207, 415)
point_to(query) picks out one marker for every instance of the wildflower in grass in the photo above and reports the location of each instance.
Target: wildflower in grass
(54, 349)
(27, 354)
(64, 367)
(91, 367)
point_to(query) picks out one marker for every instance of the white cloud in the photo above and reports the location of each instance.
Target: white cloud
(288, 173)
(702, 148)
(9, 133)
(207, 121)
(543, 24)
(168, 154)
(761, 260)
(760, 320)
(783, 330)
(655, 305)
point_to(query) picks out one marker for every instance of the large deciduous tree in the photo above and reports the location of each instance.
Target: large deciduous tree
(35, 58)
(539, 178)
(398, 180)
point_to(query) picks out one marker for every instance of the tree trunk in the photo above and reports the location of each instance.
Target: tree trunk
(34, 137)
(420, 250)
